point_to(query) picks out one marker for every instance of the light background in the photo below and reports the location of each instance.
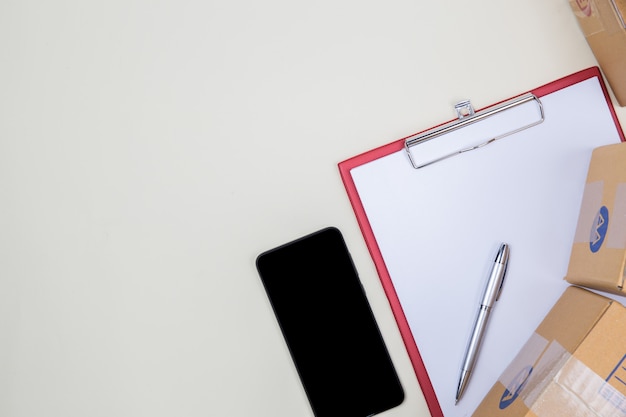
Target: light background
(150, 150)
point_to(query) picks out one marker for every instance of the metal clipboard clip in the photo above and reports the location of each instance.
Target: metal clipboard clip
(523, 112)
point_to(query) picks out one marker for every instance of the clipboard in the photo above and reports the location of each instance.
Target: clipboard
(433, 208)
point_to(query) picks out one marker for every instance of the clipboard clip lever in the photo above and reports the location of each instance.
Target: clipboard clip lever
(464, 109)
(522, 108)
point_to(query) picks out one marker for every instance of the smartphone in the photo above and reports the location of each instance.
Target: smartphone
(329, 327)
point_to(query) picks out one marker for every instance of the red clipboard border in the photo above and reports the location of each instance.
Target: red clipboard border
(346, 166)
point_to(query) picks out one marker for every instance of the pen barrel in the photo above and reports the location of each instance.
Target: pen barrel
(492, 289)
(475, 341)
(490, 296)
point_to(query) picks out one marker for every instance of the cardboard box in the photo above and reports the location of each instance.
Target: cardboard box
(598, 257)
(604, 24)
(573, 365)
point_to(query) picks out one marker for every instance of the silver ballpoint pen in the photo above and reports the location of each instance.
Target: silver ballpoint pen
(490, 296)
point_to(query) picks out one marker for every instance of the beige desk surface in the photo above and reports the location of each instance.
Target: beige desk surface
(149, 150)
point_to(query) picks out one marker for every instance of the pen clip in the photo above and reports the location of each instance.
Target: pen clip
(502, 282)
(502, 258)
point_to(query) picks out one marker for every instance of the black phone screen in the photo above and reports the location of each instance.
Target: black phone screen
(329, 327)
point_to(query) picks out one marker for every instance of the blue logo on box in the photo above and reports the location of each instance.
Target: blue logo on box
(611, 391)
(515, 387)
(599, 229)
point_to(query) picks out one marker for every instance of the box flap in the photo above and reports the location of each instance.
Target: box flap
(573, 317)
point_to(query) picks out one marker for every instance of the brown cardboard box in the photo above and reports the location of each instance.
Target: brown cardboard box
(573, 365)
(604, 24)
(598, 257)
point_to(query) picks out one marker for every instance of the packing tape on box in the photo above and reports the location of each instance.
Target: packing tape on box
(616, 237)
(558, 384)
(593, 216)
(578, 391)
